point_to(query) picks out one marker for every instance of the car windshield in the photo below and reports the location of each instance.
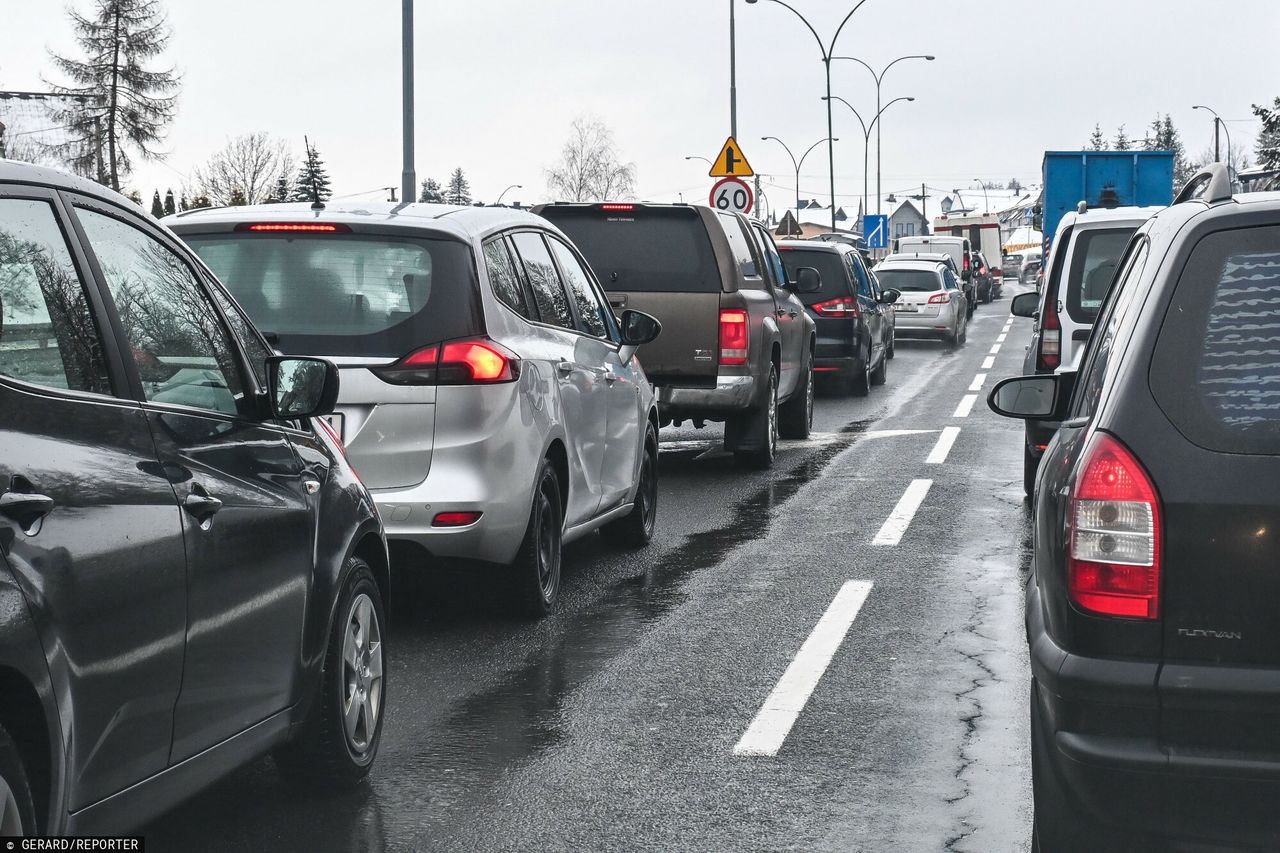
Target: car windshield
(347, 294)
(909, 281)
(829, 265)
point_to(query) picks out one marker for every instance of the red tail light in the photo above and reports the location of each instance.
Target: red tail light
(1050, 355)
(733, 336)
(939, 299)
(477, 361)
(1113, 534)
(840, 307)
(967, 263)
(455, 519)
(614, 206)
(297, 227)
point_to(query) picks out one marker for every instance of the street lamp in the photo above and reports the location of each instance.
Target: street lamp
(1217, 123)
(696, 157)
(798, 164)
(986, 203)
(507, 190)
(866, 137)
(880, 79)
(827, 51)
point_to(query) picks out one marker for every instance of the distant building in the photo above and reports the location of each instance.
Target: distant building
(907, 221)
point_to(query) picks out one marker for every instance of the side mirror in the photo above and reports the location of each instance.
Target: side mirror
(638, 329)
(1041, 397)
(1025, 305)
(301, 387)
(890, 296)
(808, 280)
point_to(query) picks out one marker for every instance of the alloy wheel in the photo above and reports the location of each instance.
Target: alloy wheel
(648, 491)
(808, 401)
(548, 544)
(773, 420)
(362, 671)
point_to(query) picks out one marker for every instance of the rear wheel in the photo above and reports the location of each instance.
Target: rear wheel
(1029, 466)
(758, 430)
(795, 417)
(860, 382)
(17, 809)
(635, 530)
(537, 563)
(881, 373)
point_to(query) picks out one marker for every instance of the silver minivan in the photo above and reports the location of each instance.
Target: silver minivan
(490, 399)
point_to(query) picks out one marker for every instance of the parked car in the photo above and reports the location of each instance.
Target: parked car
(1081, 265)
(1150, 610)
(960, 250)
(738, 345)
(191, 574)
(490, 398)
(853, 317)
(1032, 273)
(984, 282)
(930, 300)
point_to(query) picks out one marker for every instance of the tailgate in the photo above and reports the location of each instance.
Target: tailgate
(388, 429)
(690, 333)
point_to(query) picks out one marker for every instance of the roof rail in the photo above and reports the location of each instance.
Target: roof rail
(1211, 184)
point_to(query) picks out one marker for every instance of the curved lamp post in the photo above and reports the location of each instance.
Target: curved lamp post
(866, 137)
(507, 190)
(797, 164)
(1217, 123)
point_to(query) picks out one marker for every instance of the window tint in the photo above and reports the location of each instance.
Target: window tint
(828, 264)
(1106, 333)
(591, 313)
(182, 351)
(1094, 259)
(739, 246)
(503, 277)
(548, 292)
(347, 294)
(771, 256)
(47, 334)
(910, 281)
(859, 275)
(950, 279)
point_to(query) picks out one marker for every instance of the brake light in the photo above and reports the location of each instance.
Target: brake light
(455, 519)
(300, 227)
(939, 299)
(477, 361)
(733, 336)
(1113, 534)
(841, 306)
(615, 206)
(967, 263)
(1050, 337)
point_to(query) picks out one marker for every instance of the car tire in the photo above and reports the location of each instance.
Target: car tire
(881, 374)
(1030, 464)
(537, 563)
(795, 417)
(761, 428)
(635, 529)
(17, 808)
(963, 335)
(860, 382)
(334, 751)
(889, 347)
(989, 298)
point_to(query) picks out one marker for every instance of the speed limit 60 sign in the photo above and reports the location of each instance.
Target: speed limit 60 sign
(732, 194)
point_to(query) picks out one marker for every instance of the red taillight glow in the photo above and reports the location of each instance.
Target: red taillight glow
(297, 227)
(841, 306)
(967, 263)
(1050, 355)
(733, 336)
(1113, 534)
(614, 206)
(477, 361)
(455, 519)
(939, 299)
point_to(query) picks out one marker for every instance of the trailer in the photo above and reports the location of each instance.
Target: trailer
(1104, 179)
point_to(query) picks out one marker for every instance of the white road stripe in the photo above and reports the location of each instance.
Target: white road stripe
(976, 385)
(940, 450)
(780, 711)
(1001, 337)
(995, 348)
(900, 519)
(989, 362)
(965, 407)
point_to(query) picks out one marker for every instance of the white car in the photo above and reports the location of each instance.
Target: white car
(931, 301)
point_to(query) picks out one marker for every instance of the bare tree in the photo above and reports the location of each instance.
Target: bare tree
(250, 167)
(589, 168)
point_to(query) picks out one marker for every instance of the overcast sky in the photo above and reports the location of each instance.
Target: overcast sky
(499, 81)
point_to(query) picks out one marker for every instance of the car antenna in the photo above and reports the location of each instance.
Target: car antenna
(316, 203)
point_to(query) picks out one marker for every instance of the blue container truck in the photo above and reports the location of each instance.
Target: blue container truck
(1102, 179)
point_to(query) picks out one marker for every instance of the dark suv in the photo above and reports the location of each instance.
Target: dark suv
(737, 344)
(1151, 611)
(190, 573)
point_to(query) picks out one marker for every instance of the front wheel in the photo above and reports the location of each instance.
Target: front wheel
(795, 417)
(537, 563)
(17, 809)
(635, 530)
(889, 351)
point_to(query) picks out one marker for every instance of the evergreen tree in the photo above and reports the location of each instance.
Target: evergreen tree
(431, 192)
(459, 189)
(169, 207)
(237, 198)
(1268, 144)
(122, 106)
(1015, 185)
(157, 206)
(1122, 141)
(313, 179)
(1097, 141)
(183, 204)
(135, 197)
(1163, 136)
(199, 201)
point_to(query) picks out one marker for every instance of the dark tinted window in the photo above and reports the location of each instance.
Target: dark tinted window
(662, 250)
(503, 277)
(544, 281)
(909, 281)
(1093, 267)
(348, 294)
(47, 334)
(829, 265)
(770, 249)
(859, 275)
(1216, 367)
(739, 246)
(592, 313)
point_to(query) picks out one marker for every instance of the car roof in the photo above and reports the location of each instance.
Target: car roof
(835, 247)
(15, 171)
(932, 257)
(1102, 216)
(898, 262)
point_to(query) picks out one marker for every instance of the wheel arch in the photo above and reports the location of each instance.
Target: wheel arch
(559, 457)
(23, 716)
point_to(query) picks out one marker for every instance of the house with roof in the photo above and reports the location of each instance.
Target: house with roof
(907, 221)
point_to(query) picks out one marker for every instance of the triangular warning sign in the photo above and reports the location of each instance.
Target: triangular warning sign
(731, 163)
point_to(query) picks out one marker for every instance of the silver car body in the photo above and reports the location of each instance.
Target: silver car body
(914, 313)
(428, 449)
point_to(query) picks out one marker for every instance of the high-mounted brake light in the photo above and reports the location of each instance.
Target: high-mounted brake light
(296, 227)
(476, 361)
(733, 336)
(1113, 534)
(840, 307)
(615, 206)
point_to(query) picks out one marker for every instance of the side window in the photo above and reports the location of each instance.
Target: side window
(739, 246)
(593, 315)
(949, 280)
(183, 352)
(253, 347)
(503, 277)
(1094, 367)
(47, 333)
(548, 292)
(859, 275)
(771, 256)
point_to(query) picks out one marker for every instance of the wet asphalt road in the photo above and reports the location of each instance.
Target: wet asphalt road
(612, 725)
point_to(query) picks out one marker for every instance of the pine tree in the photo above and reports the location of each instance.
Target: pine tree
(431, 192)
(1122, 141)
(1268, 144)
(313, 179)
(121, 105)
(1097, 141)
(459, 189)
(199, 202)
(169, 207)
(157, 206)
(1015, 185)
(237, 198)
(1163, 136)
(183, 204)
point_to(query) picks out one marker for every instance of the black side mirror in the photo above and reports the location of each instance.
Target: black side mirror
(638, 329)
(808, 280)
(1040, 397)
(1025, 305)
(301, 387)
(890, 296)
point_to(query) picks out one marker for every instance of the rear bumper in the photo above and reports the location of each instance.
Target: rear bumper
(731, 394)
(916, 323)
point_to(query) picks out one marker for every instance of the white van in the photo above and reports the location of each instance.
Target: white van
(958, 248)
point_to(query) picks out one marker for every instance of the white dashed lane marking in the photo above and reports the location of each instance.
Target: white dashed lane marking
(900, 519)
(965, 407)
(976, 385)
(940, 450)
(989, 362)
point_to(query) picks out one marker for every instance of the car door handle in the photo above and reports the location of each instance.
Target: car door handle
(609, 376)
(793, 312)
(781, 312)
(201, 505)
(566, 367)
(25, 508)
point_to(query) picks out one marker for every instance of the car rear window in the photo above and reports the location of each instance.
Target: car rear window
(909, 281)
(1216, 367)
(830, 266)
(348, 294)
(1094, 258)
(664, 250)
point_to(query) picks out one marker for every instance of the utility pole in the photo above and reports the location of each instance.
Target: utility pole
(1217, 150)
(408, 180)
(733, 72)
(759, 195)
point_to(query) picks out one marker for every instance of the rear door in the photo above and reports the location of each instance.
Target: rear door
(869, 308)
(789, 311)
(659, 260)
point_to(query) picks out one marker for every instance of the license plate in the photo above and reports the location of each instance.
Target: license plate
(338, 422)
(907, 307)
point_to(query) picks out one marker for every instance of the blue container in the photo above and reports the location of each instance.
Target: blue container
(1103, 179)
